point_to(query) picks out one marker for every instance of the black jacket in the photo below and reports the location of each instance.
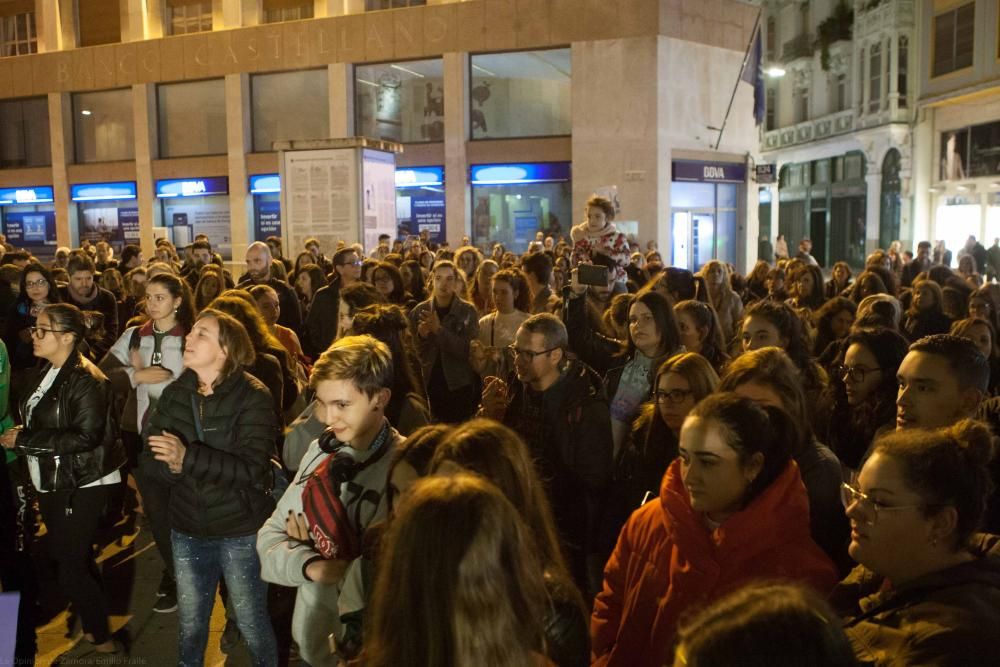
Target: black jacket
(73, 428)
(104, 302)
(224, 487)
(571, 441)
(321, 322)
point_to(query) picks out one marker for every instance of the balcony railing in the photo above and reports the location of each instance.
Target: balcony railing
(811, 130)
(799, 47)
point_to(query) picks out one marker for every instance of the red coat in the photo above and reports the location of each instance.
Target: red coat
(667, 563)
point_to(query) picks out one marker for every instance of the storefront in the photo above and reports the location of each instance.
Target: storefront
(826, 202)
(512, 202)
(107, 212)
(964, 215)
(266, 192)
(197, 206)
(28, 219)
(704, 207)
(420, 202)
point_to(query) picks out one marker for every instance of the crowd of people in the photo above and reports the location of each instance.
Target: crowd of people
(578, 455)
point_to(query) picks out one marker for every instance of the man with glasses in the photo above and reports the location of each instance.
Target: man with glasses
(259, 273)
(321, 321)
(559, 407)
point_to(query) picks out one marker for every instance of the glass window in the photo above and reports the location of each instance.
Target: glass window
(954, 32)
(192, 118)
(801, 105)
(401, 101)
(902, 65)
(24, 133)
(727, 195)
(692, 195)
(187, 17)
(18, 34)
(276, 11)
(289, 106)
(523, 94)
(513, 214)
(984, 150)
(103, 127)
(875, 78)
(770, 102)
(374, 5)
(843, 101)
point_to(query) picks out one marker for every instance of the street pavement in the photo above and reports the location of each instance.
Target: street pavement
(131, 577)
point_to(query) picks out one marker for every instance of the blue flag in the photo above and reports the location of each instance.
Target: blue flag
(753, 74)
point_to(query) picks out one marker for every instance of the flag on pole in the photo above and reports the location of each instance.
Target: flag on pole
(753, 74)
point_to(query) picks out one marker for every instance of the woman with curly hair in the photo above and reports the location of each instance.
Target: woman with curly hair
(867, 284)
(833, 322)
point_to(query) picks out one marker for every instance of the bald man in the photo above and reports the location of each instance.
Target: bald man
(259, 273)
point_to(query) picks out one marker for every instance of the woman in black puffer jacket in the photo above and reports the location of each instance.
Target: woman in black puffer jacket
(68, 435)
(211, 437)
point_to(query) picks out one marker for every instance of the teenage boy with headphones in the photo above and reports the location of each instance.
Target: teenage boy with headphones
(338, 491)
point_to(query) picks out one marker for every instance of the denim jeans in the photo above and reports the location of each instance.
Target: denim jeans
(198, 564)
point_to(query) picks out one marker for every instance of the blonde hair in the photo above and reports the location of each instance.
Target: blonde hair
(364, 360)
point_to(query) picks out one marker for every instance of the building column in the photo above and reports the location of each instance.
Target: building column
(238, 139)
(873, 208)
(56, 25)
(892, 87)
(61, 146)
(324, 8)
(341, 98)
(458, 194)
(863, 79)
(145, 119)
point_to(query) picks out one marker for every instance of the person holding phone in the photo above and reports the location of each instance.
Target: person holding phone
(140, 365)
(489, 352)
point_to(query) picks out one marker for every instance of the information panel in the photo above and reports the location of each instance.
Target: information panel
(319, 195)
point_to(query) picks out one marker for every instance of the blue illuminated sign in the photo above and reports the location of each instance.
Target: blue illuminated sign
(37, 195)
(265, 184)
(418, 177)
(514, 174)
(193, 187)
(103, 191)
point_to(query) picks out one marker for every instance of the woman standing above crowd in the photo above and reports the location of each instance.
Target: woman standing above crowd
(731, 509)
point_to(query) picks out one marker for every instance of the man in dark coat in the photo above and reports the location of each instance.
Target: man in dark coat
(259, 273)
(559, 407)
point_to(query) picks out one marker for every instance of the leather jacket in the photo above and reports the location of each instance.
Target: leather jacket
(73, 428)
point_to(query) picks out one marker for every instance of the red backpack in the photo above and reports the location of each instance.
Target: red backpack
(329, 526)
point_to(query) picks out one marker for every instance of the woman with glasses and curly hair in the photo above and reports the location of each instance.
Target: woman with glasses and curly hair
(927, 587)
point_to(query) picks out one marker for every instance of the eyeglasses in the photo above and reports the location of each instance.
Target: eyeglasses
(41, 282)
(356, 263)
(870, 508)
(674, 396)
(855, 373)
(528, 354)
(39, 332)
